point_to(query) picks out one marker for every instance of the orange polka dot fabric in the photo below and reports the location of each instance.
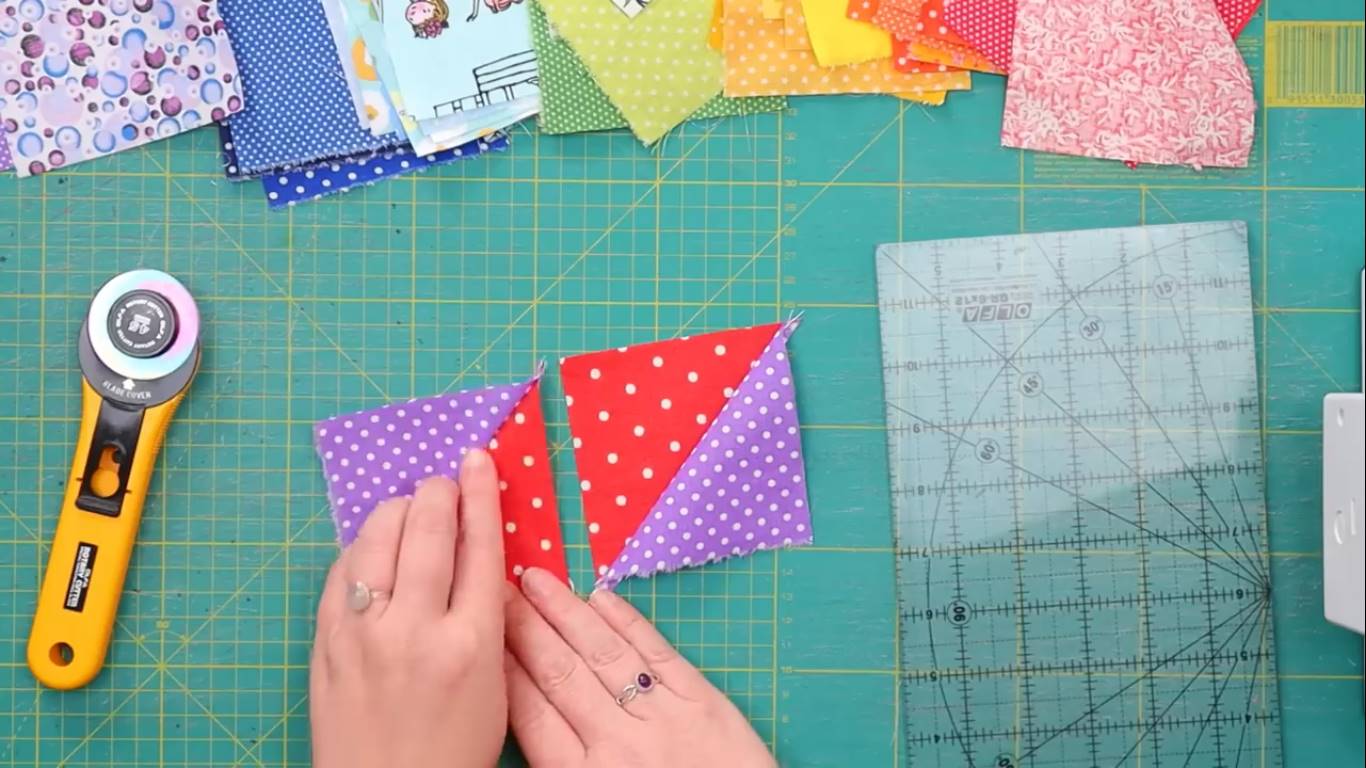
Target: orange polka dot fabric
(759, 63)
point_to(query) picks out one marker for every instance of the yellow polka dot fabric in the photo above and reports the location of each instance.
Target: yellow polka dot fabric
(656, 68)
(758, 62)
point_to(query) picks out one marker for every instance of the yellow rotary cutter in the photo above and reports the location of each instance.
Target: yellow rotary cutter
(139, 349)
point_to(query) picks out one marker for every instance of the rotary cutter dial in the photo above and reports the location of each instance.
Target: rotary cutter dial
(139, 349)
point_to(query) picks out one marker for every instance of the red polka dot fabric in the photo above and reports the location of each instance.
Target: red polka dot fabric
(531, 520)
(989, 25)
(986, 25)
(639, 414)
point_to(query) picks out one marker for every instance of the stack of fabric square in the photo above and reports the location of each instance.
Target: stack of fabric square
(317, 97)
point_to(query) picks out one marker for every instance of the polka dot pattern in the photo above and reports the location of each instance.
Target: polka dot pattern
(759, 63)
(573, 103)
(290, 187)
(531, 524)
(741, 490)
(5, 161)
(987, 25)
(298, 107)
(370, 456)
(605, 421)
(920, 27)
(653, 92)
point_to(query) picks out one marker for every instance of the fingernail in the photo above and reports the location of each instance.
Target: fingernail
(535, 581)
(602, 595)
(476, 459)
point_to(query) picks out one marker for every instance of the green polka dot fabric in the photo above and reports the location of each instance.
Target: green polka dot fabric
(589, 84)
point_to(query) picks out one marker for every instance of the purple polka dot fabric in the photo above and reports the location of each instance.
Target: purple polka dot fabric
(741, 490)
(5, 162)
(382, 453)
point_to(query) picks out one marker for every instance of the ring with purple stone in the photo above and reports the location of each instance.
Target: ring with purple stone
(644, 683)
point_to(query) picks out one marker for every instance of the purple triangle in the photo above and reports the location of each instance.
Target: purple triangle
(370, 456)
(742, 489)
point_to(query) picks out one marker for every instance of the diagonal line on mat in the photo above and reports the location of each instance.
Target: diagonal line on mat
(553, 284)
(820, 192)
(265, 735)
(108, 718)
(9, 511)
(1307, 354)
(237, 245)
(212, 717)
(269, 561)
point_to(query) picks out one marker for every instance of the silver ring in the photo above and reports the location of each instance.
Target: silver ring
(644, 683)
(359, 597)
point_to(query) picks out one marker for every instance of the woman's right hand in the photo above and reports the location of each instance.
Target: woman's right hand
(570, 670)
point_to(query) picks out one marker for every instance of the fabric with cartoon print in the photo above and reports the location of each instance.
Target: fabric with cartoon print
(1150, 81)
(298, 107)
(315, 183)
(571, 102)
(688, 451)
(385, 103)
(446, 63)
(79, 82)
(379, 454)
(631, 7)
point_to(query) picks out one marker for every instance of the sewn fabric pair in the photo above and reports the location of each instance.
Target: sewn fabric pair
(688, 451)
(383, 453)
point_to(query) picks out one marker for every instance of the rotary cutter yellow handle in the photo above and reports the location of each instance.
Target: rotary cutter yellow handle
(90, 552)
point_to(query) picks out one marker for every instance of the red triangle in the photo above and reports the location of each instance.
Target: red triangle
(636, 413)
(531, 524)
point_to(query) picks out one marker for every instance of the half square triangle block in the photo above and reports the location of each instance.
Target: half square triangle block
(373, 455)
(688, 442)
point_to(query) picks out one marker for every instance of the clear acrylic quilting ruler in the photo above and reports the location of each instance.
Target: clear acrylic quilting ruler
(1075, 448)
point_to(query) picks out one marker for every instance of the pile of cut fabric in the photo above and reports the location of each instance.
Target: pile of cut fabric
(316, 97)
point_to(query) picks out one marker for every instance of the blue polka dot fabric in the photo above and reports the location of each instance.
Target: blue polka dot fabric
(298, 107)
(299, 185)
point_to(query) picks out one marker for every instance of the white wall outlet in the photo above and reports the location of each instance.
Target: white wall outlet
(1344, 510)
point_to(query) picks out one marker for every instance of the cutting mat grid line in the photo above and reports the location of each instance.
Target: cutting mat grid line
(472, 273)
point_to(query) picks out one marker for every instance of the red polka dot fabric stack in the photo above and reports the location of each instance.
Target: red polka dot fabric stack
(373, 455)
(688, 451)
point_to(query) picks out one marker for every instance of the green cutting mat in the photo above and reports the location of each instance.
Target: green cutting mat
(472, 274)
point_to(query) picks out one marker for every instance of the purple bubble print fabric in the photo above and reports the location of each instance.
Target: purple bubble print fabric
(81, 79)
(741, 490)
(382, 453)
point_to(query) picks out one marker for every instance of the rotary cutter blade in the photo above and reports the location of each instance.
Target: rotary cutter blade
(139, 349)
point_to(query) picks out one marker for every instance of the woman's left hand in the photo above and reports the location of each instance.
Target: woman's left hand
(413, 676)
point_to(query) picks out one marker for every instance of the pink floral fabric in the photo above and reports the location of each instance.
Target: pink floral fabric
(1152, 81)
